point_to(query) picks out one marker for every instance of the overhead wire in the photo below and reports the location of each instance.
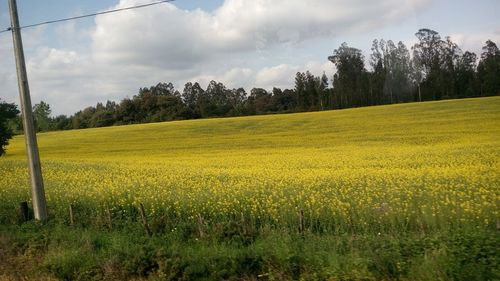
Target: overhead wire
(90, 15)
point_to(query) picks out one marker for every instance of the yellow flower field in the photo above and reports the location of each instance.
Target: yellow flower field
(433, 164)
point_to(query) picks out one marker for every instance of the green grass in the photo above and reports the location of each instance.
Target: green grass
(68, 253)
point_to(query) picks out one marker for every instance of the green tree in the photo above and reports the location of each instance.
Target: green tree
(465, 76)
(62, 122)
(170, 107)
(217, 103)
(389, 63)
(377, 82)
(323, 91)
(104, 115)
(301, 91)
(378, 76)
(312, 91)
(41, 114)
(350, 81)
(236, 99)
(191, 96)
(390, 80)
(259, 101)
(8, 111)
(427, 60)
(125, 112)
(402, 86)
(283, 100)
(489, 70)
(82, 119)
(450, 56)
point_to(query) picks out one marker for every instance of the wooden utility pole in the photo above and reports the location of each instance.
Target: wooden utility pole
(37, 191)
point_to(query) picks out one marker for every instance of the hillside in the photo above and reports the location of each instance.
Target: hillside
(375, 193)
(452, 122)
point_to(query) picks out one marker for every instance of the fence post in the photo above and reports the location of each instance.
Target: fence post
(244, 224)
(110, 219)
(24, 212)
(144, 219)
(71, 215)
(301, 222)
(200, 226)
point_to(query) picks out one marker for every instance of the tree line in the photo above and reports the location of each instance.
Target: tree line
(433, 69)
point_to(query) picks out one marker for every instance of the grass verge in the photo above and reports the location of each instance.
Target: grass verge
(58, 252)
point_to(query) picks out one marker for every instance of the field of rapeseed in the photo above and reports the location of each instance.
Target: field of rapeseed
(404, 168)
(435, 163)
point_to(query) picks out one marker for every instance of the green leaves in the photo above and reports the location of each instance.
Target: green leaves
(7, 111)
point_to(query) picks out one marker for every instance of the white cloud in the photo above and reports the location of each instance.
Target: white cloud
(283, 75)
(237, 77)
(136, 48)
(166, 36)
(279, 76)
(475, 42)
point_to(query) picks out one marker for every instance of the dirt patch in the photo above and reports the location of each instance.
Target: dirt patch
(14, 265)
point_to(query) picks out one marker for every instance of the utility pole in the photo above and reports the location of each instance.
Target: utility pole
(37, 190)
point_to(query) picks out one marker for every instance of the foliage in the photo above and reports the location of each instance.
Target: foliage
(41, 114)
(8, 112)
(349, 82)
(489, 70)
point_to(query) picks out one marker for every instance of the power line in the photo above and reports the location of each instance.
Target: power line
(90, 15)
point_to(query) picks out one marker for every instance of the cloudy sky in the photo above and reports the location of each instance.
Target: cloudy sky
(242, 43)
